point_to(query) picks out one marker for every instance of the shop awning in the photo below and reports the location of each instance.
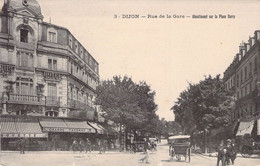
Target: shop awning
(27, 127)
(7, 128)
(95, 126)
(20, 127)
(109, 130)
(79, 126)
(53, 125)
(245, 128)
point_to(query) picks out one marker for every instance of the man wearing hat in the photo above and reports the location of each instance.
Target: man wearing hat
(231, 152)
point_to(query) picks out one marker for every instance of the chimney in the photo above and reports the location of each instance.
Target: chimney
(239, 56)
(257, 35)
(247, 47)
(242, 50)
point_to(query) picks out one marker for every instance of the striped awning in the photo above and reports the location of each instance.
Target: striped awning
(109, 130)
(7, 126)
(21, 127)
(245, 128)
(97, 127)
(53, 125)
(79, 126)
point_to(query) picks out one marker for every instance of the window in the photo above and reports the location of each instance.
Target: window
(24, 59)
(245, 73)
(52, 37)
(24, 86)
(90, 61)
(250, 69)
(238, 80)
(70, 41)
(255, 63)
(52, 64)
(21, 112)
(86, 57)
(245, 90)
(81, 52)
(237, 95)
(76, 47)
(52, 90)
(24, 35)
(51, 113)
(241, 74)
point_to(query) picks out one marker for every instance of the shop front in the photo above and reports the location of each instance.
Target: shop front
(62, 132)
(15, 128)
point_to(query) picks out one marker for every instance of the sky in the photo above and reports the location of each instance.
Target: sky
(167, 53)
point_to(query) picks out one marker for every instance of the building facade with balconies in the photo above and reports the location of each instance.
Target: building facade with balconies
(242, 77)
(45, 70)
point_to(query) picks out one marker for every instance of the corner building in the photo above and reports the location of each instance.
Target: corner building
(44, 72)
(49, 72)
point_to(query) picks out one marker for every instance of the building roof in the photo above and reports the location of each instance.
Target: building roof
(31, 5)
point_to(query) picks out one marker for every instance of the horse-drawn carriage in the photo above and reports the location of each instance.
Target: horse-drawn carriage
(180, 146)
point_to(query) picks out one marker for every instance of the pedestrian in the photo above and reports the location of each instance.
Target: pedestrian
(100, 142)
(74, 145)
(146, 158)
(231, 152)
(104, 145)
(88, 146)
(22, 143)
(81, 145)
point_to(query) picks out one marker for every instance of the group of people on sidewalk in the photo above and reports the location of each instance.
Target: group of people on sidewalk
(231, 153)
(87, 146)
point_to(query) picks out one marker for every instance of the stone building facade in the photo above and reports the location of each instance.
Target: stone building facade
(243, 78)
(44, 69)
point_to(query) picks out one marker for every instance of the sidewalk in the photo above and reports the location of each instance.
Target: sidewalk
(64, 152)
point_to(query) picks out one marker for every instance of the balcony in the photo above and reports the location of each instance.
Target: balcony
(26, 99)
(52, 101)
(74, 104)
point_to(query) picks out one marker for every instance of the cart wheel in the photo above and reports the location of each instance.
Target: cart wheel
(246, 151)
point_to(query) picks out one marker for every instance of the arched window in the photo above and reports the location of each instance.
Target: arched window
(26, 33)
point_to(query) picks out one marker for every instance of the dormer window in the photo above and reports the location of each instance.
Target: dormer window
(52, 35)
(76, 47)
(81, 52)
(70, 41)
(24, 35)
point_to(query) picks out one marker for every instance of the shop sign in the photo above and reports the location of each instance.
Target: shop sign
(48, 75)
(69, 130)
(24, 135)
(10, 135)
(6, 70)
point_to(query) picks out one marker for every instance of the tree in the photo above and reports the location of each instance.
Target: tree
(205, 105)
(128, 103)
